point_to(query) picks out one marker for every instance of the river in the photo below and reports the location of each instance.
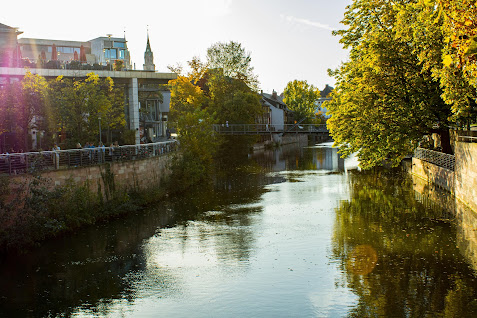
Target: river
(295, 232)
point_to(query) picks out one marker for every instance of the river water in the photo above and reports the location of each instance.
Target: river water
(295, 232)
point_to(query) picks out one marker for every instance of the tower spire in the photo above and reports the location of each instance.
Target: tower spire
(148, 56)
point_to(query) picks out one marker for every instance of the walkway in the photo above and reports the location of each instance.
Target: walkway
(30, 162)
(261, 129)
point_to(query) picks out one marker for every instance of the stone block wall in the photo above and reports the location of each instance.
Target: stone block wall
(462, 182)
(139, 174)
(439, 176)
(466, 173)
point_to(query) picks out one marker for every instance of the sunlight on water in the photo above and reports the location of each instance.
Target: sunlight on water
(314, 239)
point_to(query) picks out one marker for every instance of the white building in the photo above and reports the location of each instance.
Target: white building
(325, 96)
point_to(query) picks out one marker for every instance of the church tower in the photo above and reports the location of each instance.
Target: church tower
(148, 57)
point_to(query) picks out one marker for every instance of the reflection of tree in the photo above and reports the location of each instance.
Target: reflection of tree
(105, 264)
(419, 270)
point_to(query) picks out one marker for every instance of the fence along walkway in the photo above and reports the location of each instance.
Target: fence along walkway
(29, 162)
(258, 129)
(438, 158)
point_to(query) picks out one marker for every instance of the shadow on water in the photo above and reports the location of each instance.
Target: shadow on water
(398, 250)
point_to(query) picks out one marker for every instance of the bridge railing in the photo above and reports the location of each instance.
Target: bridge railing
(440, 159)
(237, 129)
(28, 162)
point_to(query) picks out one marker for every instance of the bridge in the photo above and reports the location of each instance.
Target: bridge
(264, 129)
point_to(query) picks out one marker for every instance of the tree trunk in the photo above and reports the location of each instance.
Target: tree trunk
(444, 136)
(445, 141)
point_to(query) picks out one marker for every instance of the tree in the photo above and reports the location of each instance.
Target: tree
(79, 104)
(386, 98)
(234, 61)
(455, 66)
(10, 104)
(231, 100)
(35, 112)
(23, 107)
(300, 98)
(207, 96)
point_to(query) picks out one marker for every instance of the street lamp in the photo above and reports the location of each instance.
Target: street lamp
(99, 121)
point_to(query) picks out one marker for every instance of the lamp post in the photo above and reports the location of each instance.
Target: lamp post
(99, 123)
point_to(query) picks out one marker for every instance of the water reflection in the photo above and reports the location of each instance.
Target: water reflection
(290, 232)
(418, 270)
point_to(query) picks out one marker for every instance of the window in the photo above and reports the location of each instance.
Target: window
(119, 44)
(66, 50)
(110, 53)
(122, 54)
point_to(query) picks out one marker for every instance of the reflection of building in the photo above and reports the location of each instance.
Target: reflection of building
(140, 88)
(328, 159)
(325, 96)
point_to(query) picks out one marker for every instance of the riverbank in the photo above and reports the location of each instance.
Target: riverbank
(37, 207)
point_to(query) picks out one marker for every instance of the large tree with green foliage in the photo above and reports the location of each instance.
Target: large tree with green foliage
(234, 61)
(79, 103)
(386, 98)
(301, 97)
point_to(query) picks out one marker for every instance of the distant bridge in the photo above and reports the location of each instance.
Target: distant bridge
(263, 129)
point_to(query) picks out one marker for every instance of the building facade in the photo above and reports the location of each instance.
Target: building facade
(101, 51)
(276, 109)
(146, 99)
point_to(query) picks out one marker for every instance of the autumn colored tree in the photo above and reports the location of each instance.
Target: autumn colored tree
(212, 92)
(300, 98)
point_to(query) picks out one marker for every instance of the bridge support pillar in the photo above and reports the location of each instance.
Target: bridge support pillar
(134, 108)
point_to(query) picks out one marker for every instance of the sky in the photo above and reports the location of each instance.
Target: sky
(287, 39)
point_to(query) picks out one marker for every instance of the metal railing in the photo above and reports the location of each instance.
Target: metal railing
(467, 138)
(28, 162)
(238, 129)
(440, 159)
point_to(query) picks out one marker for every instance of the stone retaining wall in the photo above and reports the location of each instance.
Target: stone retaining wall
(462, 182)
(466, 173)
(439, 176)
(139, 174)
